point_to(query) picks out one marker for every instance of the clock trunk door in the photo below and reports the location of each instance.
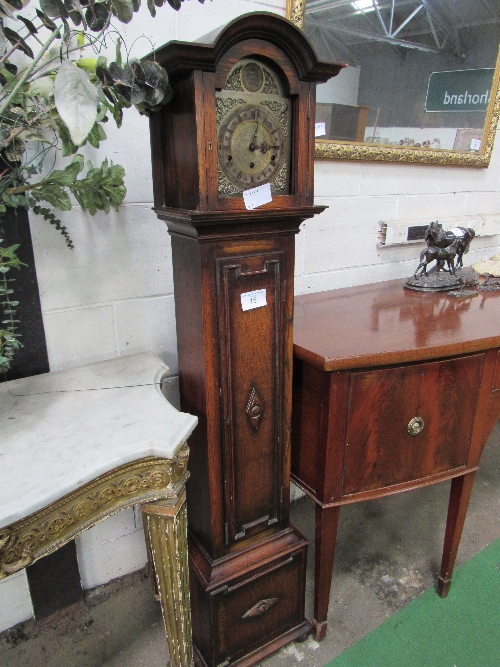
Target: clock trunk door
(250, 311)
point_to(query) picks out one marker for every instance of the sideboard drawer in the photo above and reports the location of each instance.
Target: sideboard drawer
(382, 448)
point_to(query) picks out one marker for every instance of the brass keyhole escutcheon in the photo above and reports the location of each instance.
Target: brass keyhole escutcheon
(415, 425)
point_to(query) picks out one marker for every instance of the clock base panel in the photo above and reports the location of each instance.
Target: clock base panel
(248, 605)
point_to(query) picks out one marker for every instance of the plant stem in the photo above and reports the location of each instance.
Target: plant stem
(25, 76)
(20, 189)
(68, 51)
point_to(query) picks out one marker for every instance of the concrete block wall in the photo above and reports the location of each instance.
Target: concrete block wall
(113, 294)
(339, 248)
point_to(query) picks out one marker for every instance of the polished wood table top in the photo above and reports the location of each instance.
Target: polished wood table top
(383, 323)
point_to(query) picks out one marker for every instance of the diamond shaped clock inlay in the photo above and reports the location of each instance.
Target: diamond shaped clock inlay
(254, 409)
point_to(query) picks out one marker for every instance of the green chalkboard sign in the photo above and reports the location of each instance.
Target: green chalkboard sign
(461, 90)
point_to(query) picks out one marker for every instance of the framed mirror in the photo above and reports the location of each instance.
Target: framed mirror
(423, 82)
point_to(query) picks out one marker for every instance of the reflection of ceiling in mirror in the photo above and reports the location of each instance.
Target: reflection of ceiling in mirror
(426, 25)
(396, 45)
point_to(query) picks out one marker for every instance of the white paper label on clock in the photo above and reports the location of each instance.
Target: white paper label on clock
(475, 145)
(255, 299)
(319, 129)
(257, 196)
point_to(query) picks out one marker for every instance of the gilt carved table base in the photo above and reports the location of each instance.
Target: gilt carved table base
(158, 485)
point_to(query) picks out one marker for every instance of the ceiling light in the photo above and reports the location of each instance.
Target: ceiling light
(364, 5)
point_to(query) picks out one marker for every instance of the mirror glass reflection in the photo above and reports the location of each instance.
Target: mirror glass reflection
(420, 71)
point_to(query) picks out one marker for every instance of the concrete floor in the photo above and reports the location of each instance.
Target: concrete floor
(388, 551)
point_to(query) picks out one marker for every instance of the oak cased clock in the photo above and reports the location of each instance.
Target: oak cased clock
(242, 116)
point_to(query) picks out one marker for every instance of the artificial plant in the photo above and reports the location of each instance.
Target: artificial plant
(57, 93)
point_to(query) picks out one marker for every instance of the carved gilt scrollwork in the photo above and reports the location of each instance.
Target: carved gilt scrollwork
(279, 183)
(43, 532)
(234, 80)
(223, 106)
(280, 110)
(270, 86)
(296, 11)
(331, 150)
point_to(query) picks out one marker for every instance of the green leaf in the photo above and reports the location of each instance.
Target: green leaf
(26, 22)
(102, 188)
(76, 12)
(67, 176)
(4, 9)
(54, 8)
(123, 10)
(56, 196)
(94, 137)
(97, 16)
(16, 40)
(48, 23)
(68, 147)
(76, 100)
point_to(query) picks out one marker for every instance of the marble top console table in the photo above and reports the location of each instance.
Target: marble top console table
(79, 445)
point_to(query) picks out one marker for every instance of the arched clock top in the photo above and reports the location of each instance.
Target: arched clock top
(269, 54)
(177, 57)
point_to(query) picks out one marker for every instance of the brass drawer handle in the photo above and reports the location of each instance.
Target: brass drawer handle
(415, 425)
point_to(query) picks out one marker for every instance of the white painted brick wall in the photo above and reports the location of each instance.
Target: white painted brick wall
(15, 601)
(111, 549)
(113, 294)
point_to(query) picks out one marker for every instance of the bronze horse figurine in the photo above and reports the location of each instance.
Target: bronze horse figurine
(441, 255)
(437, 237)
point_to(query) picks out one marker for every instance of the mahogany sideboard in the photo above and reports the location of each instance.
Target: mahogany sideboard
(393, 390)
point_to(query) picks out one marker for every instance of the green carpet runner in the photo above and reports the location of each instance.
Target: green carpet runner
(463, 630)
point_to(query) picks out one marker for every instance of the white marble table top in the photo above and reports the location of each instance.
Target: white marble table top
(61, 430)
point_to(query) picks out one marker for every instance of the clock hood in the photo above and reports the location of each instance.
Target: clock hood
(205, 53)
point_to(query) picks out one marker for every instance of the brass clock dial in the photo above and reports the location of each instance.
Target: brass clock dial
(253, 130)
(251, 145)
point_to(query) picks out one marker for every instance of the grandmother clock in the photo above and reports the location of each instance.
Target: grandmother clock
(242, 115)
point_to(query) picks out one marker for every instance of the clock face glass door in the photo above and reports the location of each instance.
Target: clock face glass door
(253, 131)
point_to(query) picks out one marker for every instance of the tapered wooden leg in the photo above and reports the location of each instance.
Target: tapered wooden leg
(167, 529)
(461, 488)
(327, 521)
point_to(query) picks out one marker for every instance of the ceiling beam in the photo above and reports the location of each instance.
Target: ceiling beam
(407, 20)
(337, 27)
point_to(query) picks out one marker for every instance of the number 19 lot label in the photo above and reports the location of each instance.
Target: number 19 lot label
(255, 299)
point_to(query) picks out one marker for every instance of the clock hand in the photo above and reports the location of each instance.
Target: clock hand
(253, 146)
(264, 147)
